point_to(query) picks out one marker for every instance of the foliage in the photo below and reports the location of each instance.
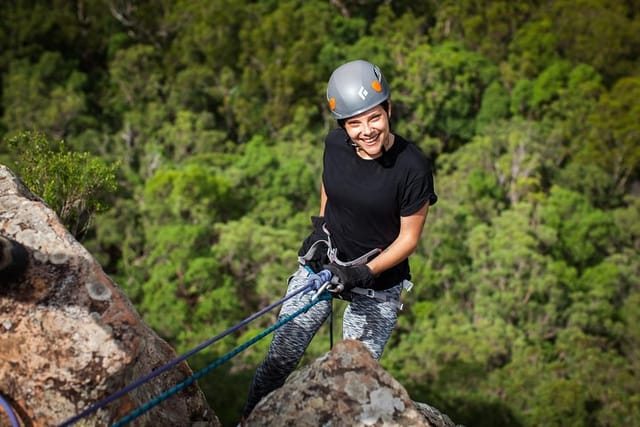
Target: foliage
(75, 185)
(440, 93)
(210, 116)
(47, 95)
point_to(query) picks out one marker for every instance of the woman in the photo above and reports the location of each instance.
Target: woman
(376, 191)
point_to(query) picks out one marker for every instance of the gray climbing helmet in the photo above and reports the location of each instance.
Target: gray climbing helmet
(355, 87)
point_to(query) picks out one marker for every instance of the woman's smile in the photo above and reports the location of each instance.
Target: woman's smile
(370, 132)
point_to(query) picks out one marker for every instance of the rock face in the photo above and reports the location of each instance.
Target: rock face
(68, 336)
(345, 387)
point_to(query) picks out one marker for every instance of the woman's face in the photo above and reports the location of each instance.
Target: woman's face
(370, 132)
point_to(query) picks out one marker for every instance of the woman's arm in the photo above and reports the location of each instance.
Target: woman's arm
(410, 230)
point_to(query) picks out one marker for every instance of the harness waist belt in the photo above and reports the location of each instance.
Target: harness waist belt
(382, 295)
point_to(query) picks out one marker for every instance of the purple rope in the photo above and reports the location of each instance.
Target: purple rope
(9, 410)
(312, 284)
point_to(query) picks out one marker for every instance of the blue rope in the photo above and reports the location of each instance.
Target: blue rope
(225, 358)
(176, 361)
(9, 410)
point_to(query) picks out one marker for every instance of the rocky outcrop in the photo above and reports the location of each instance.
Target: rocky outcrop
(68, 336)
(345, 387)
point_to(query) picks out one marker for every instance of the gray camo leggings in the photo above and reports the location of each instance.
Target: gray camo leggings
(365, 319)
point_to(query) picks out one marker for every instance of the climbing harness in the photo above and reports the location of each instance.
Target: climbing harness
(336, 290)
(332, 252)
(384, 296)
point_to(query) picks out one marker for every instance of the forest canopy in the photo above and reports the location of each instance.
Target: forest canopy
(181, 142)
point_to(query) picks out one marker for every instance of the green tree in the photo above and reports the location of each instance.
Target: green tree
(483, 26)
(279, 50)
(181, 278)
(583, 231)
(137, 93)
(278, 187)
(612, 141)
(75, 185)
(494, 107)
(596, 32)
(532, 49)
(439, 90)
(46, 96)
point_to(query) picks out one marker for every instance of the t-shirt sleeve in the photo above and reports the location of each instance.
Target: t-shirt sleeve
(418, 190)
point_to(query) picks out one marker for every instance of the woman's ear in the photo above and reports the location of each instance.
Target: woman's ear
(389, 108)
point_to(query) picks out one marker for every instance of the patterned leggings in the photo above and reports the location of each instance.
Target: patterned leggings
(365, 319)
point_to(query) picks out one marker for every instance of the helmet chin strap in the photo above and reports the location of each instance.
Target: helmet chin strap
(348, 140)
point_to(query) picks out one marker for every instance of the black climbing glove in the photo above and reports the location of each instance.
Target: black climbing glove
(319, 257)
(355, 276)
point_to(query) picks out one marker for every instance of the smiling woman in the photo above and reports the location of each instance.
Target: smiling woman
(376, 191)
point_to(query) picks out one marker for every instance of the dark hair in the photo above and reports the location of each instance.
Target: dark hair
(384, 104)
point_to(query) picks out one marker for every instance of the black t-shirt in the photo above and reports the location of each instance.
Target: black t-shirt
(366, 198)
